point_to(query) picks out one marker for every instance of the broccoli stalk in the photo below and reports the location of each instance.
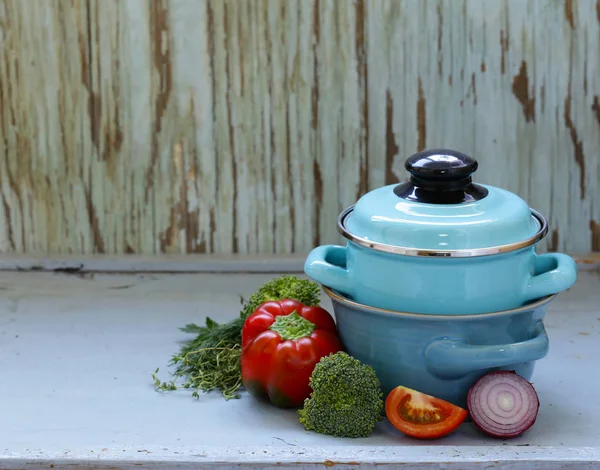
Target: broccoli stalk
(346, 398)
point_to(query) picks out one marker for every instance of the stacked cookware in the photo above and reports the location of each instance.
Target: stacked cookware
(439, 281)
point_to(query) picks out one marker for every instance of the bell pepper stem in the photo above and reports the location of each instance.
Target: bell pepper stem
(292, 326)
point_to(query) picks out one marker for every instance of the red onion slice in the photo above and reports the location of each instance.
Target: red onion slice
(503, 404)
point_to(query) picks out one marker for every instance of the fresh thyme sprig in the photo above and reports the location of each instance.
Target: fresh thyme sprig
(207, 369)
(210, 361)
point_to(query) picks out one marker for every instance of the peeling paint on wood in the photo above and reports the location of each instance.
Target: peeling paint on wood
(569, 13)
(391, 146)
(596, 108)
(421, 118)
(220, 126)
(520, 89)
(595, 229)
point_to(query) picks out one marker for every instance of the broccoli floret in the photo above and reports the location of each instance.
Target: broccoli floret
(346, 398)
(304, 291)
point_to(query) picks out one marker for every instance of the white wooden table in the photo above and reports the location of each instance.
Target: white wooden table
(77, 353)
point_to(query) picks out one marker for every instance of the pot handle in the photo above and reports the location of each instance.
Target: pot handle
(326, 265)
(558, 273)
(454, 358)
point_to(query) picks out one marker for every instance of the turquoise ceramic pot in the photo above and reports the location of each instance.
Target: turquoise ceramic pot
(440, 244)
(440, 355)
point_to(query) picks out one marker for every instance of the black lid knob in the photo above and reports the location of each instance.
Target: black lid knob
(441, 176)
(441, 169)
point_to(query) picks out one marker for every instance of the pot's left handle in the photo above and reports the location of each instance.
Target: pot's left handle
(326, 264)
(454, 358)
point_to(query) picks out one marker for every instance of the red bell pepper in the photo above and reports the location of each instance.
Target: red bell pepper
(281, 344)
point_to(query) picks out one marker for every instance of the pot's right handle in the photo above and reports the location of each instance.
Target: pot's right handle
(558, 273)
(454, 358)
(326, 265)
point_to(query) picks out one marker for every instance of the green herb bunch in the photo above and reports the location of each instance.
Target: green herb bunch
(212, 359)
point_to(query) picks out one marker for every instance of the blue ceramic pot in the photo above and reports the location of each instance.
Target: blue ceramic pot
(450, 286)
(440, 244)
(440, 355)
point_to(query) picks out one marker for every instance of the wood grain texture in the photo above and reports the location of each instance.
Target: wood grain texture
(125, 142)
(45, 129)
(245, 126)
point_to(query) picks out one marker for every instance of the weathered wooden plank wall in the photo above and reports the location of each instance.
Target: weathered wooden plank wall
(246, 126)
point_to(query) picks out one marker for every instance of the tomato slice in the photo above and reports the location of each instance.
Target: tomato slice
(420, 415)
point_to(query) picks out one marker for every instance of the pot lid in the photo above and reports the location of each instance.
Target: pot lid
(440, 210)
